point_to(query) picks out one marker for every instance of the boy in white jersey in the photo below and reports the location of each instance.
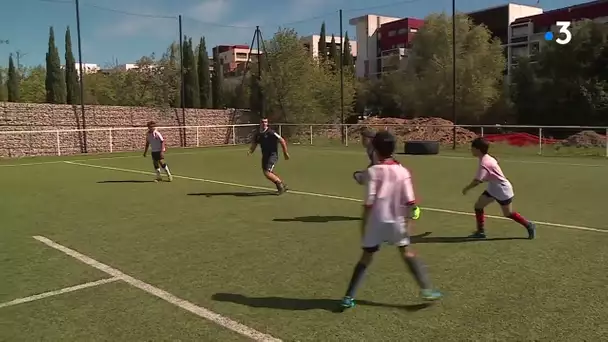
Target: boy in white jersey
(499, 189)
(156, 141)
(389, 208)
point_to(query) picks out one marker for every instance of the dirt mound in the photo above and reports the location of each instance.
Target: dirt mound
(585, 139)
(433, 129)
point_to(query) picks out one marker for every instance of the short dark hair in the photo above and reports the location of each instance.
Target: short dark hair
(481, 144)
(367, 132)
(384, 143)
(151, 123)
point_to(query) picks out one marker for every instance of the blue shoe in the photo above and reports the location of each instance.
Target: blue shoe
(478, 235)
(430, 295)
(531, 231)
(347, 303)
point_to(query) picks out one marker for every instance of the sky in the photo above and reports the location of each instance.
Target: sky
(122, 31)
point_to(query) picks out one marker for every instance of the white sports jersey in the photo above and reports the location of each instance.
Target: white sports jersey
(389, 193)
(155, 139)
(498, 185)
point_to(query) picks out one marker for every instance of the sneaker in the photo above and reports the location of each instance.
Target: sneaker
(531, 228)
(158, 179)
(430, 295)
(478, 235)
(347, 303)
(281, 189)
(170, 178)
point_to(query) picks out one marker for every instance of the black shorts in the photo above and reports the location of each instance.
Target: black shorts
(501, 202)
(269, 161)
(157, 156)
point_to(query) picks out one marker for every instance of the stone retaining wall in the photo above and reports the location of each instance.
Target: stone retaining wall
(127, 121)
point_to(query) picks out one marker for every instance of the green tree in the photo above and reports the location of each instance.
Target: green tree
(347, 56)
(55, 85)
(174, 65)
(2, 86)
(32, 85)
(71, 77)
(334, 56)
(13, 81)
(427, 82)
(295, 89)
(204, 78)
(191, 98)
(217, 81)
(322, 44)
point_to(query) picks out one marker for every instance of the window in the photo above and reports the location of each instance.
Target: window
(402, 31)
(392, 33)
(413, 30)
(534, 48)
(241, 55)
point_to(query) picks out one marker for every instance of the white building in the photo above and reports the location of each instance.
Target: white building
(367, 41)
(87, 68)
(312, 44)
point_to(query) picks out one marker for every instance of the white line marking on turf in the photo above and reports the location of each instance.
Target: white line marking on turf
(58, 292)
(446, 211)
(162, 294)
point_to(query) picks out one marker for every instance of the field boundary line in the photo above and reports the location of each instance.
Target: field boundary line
(58, 292)
(162, 294)
(439, 210)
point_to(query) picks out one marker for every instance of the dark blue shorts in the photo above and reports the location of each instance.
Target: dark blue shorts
(269, 161)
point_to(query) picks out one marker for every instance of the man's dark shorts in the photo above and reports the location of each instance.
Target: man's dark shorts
(269, 161)
(156, 158)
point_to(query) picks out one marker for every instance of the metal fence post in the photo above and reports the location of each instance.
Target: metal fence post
(482, 131)
(281, 130)
(58, 143)
(606, 142)
(233, 134)
(197, 141)
(110, 139)
(346, 135)
(311, 134)
(540, 141)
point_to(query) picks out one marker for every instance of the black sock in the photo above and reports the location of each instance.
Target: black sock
(356, 279)
(419, 271)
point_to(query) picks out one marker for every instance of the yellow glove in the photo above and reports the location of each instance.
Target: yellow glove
(415, 213)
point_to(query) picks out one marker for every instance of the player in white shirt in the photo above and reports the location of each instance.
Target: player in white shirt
(156, 142)
(390, 207)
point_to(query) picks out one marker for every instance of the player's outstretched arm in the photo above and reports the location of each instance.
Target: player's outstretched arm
(284, 147)
(473, 184)
(146, 147)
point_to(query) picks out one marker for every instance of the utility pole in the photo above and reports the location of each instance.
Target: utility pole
(19, 54)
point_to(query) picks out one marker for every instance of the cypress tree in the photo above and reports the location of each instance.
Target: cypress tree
(55, 86)
(2, 87)
(193, 77)
(322, 44)
(204, 79)
(347, 57)
(217, 81)
(334, 57)
(13, 81)
(71, 78)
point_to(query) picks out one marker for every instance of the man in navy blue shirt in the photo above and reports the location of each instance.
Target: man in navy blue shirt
(269, 140)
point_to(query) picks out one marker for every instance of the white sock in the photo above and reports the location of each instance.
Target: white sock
(166, 168)
(158, 173)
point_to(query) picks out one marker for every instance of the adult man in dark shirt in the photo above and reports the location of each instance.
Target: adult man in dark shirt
(269, 140)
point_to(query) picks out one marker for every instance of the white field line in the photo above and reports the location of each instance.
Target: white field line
(58, 292)
(164, 295)
(228, 147)
(446, 211)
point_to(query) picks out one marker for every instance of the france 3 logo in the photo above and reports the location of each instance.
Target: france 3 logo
(564, 35)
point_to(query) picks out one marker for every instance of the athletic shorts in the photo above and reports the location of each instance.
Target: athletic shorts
(157, 156)
(377, 233)
(501, 202)
(269, 161)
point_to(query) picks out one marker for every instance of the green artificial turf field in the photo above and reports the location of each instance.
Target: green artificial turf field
(217, 239)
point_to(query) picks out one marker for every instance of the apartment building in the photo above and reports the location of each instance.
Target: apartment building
(234, 57)
(311, 43)
(384, 43)
(526, 34)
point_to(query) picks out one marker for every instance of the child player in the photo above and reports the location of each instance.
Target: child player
(156, 141)
(269, 140)
(499, 189)
(387, 218)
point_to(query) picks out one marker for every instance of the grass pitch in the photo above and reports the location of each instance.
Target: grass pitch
(280, 264)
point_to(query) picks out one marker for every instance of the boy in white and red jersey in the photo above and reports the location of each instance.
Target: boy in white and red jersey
(156, 142)
(499, 189)
(389, 208)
